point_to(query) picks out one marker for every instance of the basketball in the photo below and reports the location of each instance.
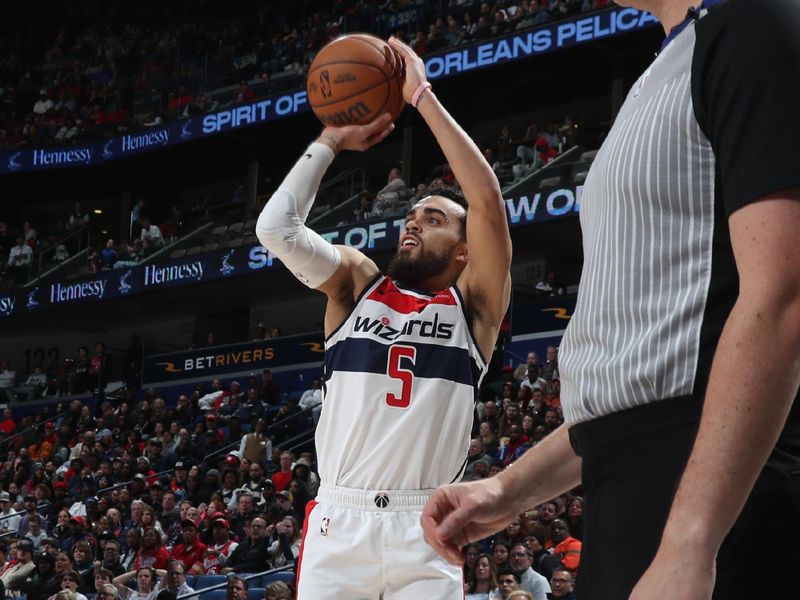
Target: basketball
(354, 79)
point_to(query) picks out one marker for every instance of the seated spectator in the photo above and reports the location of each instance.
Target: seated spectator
(125, 256)
(563, 584)
(174, 580)
(78, 218)
(286, 547)
(14, 577)
(191, 549)
(7, 378)
(237, 589)
(566, 548)
(507, 581)
(32, 387)
(277, 590)
(391, 198)
(108, 255)
(483, 583)
(19, 261)
(151, 233)
(252, 555)
(521, 561)
(146, 588)
(61, 254)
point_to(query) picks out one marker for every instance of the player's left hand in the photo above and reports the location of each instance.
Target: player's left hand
(414, 65)
(686, 574)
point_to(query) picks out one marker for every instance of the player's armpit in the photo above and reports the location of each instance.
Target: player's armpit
(354, 273)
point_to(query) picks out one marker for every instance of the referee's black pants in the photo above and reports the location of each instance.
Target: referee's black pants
(632, 463)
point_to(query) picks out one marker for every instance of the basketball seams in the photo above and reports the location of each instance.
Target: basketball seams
(386, 81)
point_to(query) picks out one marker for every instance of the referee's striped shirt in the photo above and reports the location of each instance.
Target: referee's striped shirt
(712, 125)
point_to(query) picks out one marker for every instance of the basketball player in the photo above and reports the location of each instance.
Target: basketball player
(405, 353)
(690, 216)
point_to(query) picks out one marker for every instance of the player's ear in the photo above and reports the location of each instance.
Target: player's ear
(462, 254)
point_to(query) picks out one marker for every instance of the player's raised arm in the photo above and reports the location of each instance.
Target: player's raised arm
(281, 227)
(485, 283)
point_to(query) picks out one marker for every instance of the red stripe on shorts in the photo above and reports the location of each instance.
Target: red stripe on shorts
(309, 507)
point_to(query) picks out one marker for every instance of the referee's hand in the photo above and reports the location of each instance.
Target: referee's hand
(462, 513)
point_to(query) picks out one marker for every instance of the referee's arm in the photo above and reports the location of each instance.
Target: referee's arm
(742, 416)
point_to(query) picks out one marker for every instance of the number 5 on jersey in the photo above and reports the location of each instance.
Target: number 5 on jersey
(404, 374)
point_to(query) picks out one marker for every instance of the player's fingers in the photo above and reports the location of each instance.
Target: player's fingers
(378, 124)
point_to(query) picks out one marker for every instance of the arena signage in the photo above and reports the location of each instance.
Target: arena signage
(249, 357)
(526, 207)
(539, 41)
(611, 22)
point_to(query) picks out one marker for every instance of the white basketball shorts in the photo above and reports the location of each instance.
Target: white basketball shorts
(368, 545)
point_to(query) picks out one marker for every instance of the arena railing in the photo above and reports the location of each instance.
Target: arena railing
(19, 513)
(246, 577)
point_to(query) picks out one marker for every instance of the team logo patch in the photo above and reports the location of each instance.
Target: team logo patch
(385, 320)
(323, 526)
(381, 500)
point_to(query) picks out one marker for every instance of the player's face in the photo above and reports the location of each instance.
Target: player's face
(431, 240)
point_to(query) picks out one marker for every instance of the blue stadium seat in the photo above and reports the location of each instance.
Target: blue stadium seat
(191, 580)
(204, 581)
(286, 576)
(255, 593)
(214, 595)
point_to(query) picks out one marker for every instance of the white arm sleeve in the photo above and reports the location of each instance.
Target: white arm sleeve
(281, 226)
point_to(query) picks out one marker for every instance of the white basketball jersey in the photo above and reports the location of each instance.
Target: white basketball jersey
(401, 376)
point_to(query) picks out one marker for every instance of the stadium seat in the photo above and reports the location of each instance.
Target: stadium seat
(219, 231)
(285, 576)
(180, 253)
(550, 182)
(221, 594)
(580, 176)
(251, 240)
(588, 156)
(250, 226)
(235, 228)
(255, 593)
(194, 251)
(204, 581)
(235, 243)
(210, 247)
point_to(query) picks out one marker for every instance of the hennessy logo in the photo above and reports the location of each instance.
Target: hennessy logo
(325, 84)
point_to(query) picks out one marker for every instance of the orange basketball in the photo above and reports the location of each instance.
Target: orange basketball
(354, 79)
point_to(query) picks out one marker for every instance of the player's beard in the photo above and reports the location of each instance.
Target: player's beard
(413, 271)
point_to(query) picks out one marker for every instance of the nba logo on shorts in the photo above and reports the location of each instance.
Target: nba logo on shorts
(323, 526)
(381, 500)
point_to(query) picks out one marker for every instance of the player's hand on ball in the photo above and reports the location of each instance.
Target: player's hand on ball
(462, 513)
(414, 67)
(357, 137)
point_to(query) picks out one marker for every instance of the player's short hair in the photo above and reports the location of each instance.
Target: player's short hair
(451, 192)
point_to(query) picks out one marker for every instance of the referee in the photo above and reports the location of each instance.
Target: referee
(680, 368)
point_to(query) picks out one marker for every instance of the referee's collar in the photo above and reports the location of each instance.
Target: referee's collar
(692, 14)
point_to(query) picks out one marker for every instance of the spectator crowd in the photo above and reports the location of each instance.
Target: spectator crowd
(71, 80)
(210, 483)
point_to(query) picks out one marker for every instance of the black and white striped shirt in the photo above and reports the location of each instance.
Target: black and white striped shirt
(712, 125)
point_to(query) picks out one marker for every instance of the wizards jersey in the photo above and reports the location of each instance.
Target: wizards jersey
(401, 375)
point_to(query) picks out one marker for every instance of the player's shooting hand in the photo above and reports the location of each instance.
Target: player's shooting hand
(357, 137)
(414, 66)
(462, 513)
